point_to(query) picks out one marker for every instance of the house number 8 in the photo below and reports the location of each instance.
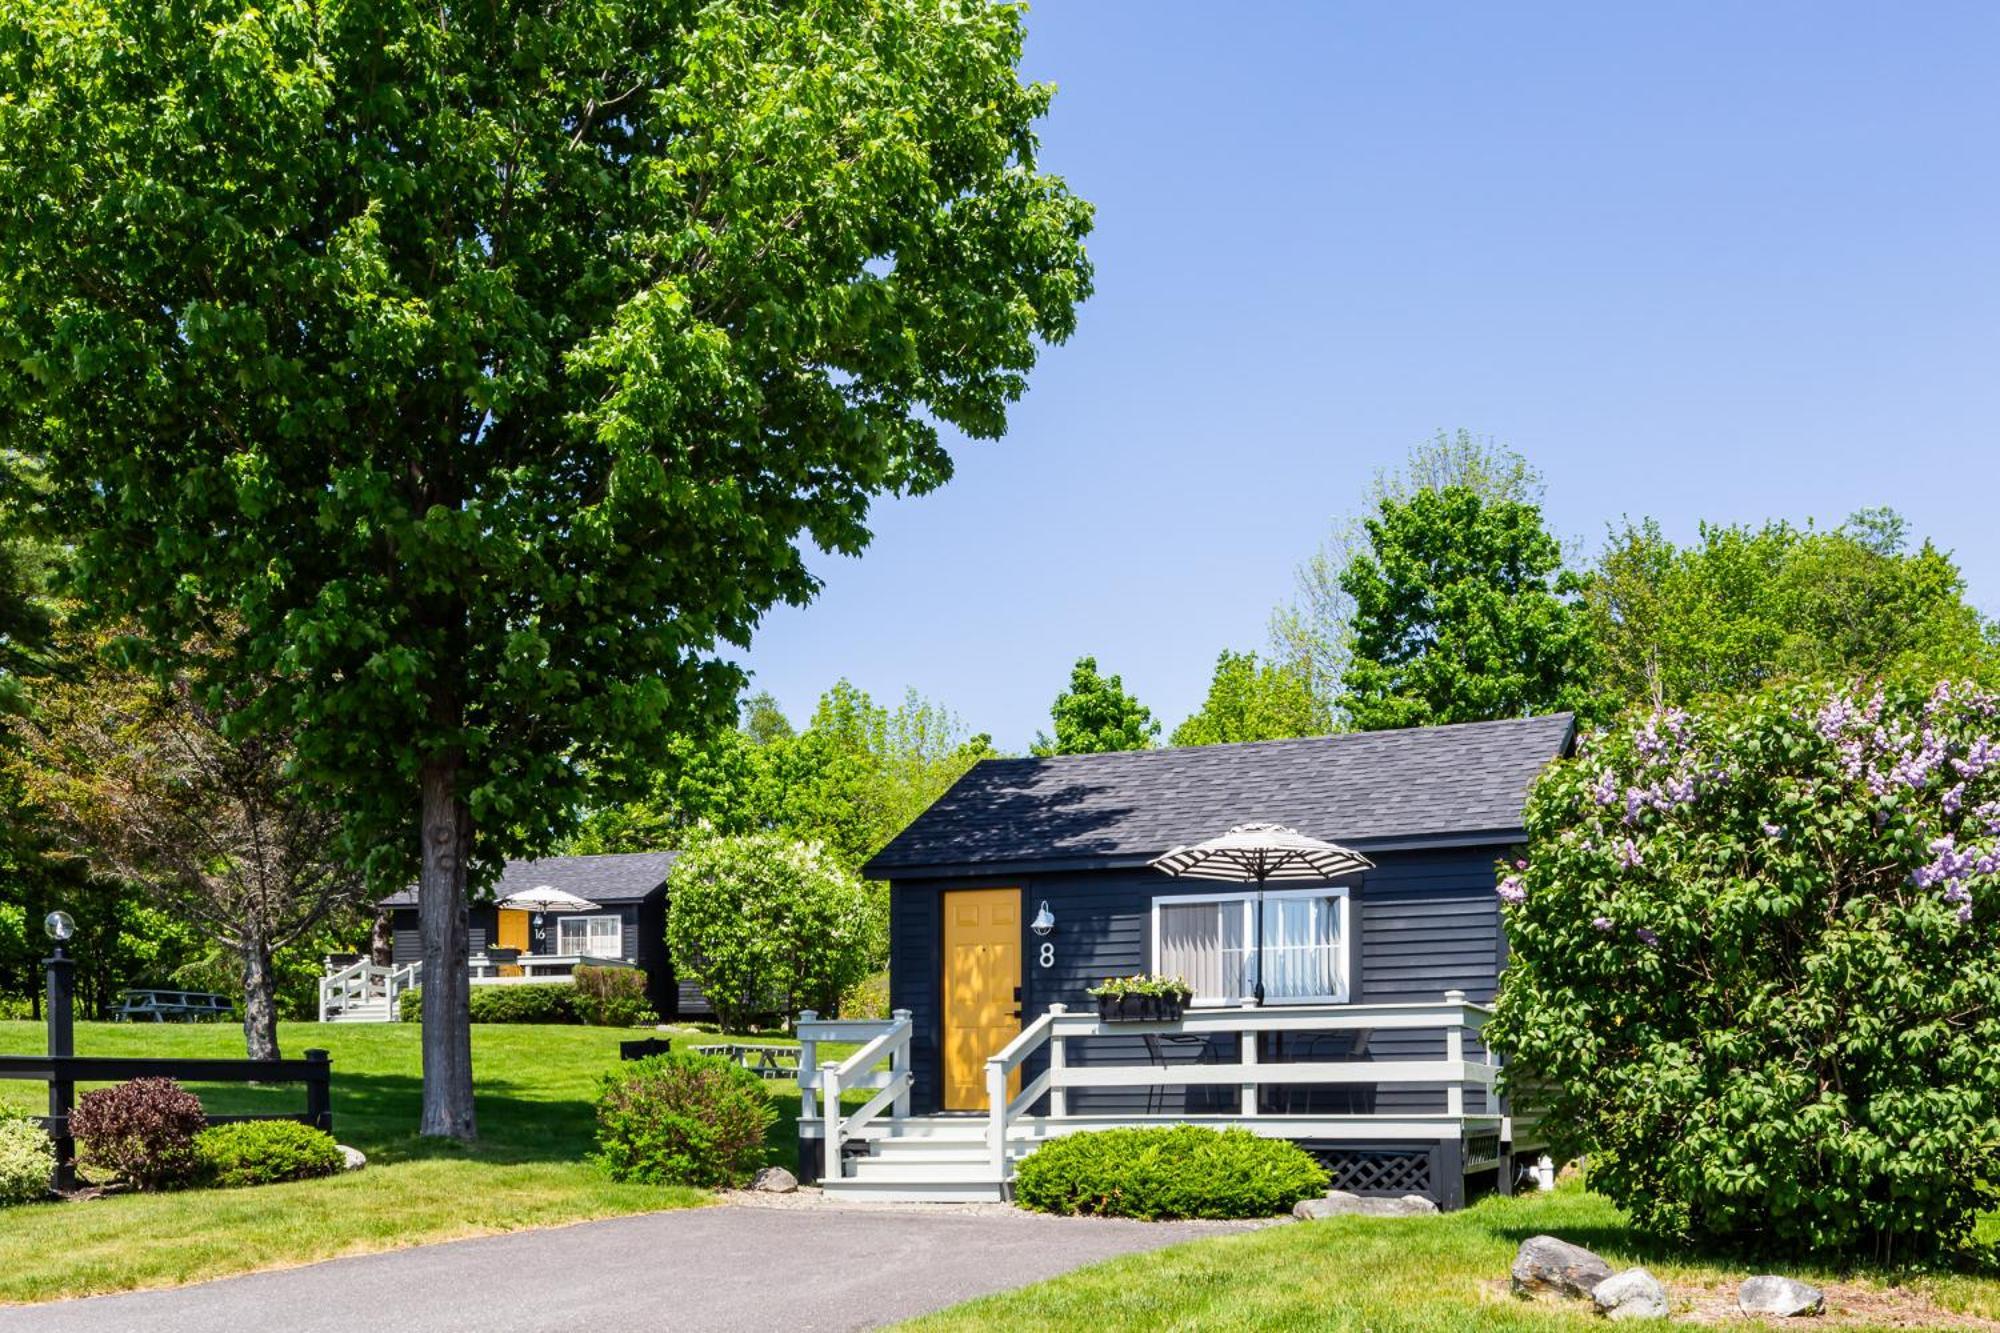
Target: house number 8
(1048, 953)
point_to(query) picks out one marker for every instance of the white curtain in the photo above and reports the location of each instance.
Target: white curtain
(1202, 943)
(590, 936)
(1301, 954)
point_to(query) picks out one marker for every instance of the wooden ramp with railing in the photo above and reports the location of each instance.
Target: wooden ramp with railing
(1384, 1124)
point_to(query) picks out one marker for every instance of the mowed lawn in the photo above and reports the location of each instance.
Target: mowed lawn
(534, 1089)
(1438, 1274)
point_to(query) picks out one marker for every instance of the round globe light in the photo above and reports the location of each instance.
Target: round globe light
(60, 926)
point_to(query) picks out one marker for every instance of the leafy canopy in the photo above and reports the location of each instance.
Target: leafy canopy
(1462, 613)
(1743, 605)
(1249, 700)
(852, 780)
(1754, 967)
(1095, 715)
(489, 362)
(768, 927)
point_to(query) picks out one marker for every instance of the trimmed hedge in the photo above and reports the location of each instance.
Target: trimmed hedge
(27, 1161)
(1170, 1172)
(612, 997)
(529, 1002)
(144, 1130)
(600, 996)
(682, 1119)
(264, 1152)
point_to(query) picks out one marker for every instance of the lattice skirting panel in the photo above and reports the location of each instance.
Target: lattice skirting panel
(1381, 1171)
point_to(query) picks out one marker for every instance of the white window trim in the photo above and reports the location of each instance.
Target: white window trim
(1344, 948)
(613, 917)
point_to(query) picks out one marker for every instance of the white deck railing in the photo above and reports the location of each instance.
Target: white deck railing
(1056, 1028)
(881, 1041)
(889, 1041)
(362, 981)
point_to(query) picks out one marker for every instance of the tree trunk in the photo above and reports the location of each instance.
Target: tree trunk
(260, 1001)
(442, 925)
(382, 941)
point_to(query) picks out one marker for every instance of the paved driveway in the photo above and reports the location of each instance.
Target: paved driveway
(731, 1267)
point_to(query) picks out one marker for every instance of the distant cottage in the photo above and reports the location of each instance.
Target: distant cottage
(1369, 985)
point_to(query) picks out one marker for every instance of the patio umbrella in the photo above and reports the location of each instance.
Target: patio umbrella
(1257, 854)
(545, 898)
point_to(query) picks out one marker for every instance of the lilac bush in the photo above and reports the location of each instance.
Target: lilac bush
(1755, 967)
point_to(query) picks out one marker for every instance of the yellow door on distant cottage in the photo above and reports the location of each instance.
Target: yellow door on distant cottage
(511, 932)
(982, 983)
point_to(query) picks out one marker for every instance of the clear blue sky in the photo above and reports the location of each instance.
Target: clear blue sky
(1727, 262)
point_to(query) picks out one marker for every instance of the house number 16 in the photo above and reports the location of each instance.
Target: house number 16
(1048, 953)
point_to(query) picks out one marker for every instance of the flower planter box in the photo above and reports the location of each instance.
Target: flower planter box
(1140, 1008)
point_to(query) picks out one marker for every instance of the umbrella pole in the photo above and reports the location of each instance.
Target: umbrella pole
(1257, 991)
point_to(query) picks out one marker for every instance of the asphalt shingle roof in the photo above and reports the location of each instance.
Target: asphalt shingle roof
(1362, 787)
(621, 877)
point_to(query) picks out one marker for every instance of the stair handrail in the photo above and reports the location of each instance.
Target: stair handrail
(339, 986)
(858, 1071)
(1003, 1111)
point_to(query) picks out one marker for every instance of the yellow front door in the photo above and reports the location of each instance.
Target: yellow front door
(982, 982)
(511, 932)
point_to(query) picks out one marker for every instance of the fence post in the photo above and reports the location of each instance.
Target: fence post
(62, 1045)
(1454, 1053)
(1058, 1062)
(899, 1062)
(319, 1090)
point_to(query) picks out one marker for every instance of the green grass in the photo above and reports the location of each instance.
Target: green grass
(534, 1088)
(1440, 1274)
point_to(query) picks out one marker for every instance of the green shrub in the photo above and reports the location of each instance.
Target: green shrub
(1168, 1172)
(144, 1130)
(264, 1152)
(766, 925)
(682, 1119)
(1754, 968)
(525, 1002)
(612, 997)
(27, 1160)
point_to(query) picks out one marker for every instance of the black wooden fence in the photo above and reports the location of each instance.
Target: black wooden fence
(63, 1072)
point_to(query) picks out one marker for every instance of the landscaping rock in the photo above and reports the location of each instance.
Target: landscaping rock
(1545, 1264)
(775, 1180)
(1632, 1294)
(1339, 1203)
(352, 1159)
(1779, 1297)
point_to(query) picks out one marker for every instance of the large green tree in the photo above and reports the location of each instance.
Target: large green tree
(1313, 633)
(1095, 715)
(488, 363)
(1249, 700)
(1744, 605)
(1462, 613)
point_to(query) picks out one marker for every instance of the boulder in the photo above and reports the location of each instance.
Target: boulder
(352, 1159)
(1545, 1264)
(1632, 1294)
(1779, 1297)
(1339, 1203)
(775, 1180)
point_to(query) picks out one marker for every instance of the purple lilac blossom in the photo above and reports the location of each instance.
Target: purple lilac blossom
(1511, 891)
(1774, 830)
(1629, 855)
(1606, 790)
(1600, 923)
(1647, 937)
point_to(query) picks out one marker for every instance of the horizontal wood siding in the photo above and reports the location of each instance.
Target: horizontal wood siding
(1426, 922)
(914, 944)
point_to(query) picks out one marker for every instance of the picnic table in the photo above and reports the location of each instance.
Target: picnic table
(171, 1006)
(763, 1061)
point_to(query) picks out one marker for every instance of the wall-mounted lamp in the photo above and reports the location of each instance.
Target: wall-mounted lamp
(1045, 920)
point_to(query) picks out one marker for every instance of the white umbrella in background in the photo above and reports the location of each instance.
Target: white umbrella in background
(545, 898)
(1257, 854)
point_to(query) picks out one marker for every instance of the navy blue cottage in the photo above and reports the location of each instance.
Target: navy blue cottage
(1029, 882)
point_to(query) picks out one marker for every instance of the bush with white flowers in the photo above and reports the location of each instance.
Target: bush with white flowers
(27, 1160)
(1754, 967)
